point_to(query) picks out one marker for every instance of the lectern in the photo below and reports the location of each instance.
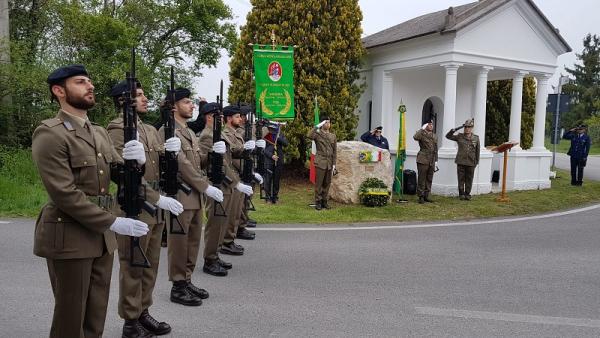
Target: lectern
(504, 148)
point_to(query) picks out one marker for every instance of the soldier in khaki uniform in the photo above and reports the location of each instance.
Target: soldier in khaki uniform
(325, 160)
(73, 231)
(216, 226)
(183, 248)
(467, 157)
(235, 152)
(426, 160)
(136, 284)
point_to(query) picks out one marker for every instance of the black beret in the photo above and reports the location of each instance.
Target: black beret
(323, 118)
(582, 126)
(209, 108)
(62, 73)
(182, 93)
(246, 109)
(231, 110)
(121, 87)
(379, 128)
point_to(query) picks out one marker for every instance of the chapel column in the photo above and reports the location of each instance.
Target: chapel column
(449, 119)
(540, 112)
(516, 108)
(480, 103)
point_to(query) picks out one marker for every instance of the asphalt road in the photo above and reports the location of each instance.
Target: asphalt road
(522, 277)
(591, 171)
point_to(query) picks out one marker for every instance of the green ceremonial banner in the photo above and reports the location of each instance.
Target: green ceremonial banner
(274, 78)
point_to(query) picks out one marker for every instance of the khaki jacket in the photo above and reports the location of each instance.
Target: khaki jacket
(428, 150)
(235, 146)
(190, 166)
(154, 149)
(468, 148)
(326, 143)
(74, 164)
(206, 144)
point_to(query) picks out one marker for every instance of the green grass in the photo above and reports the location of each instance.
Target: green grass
(295, 198)
(22, 195)
(21, 192)
(563, 147)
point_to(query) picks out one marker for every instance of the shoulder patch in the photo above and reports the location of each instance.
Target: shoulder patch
(53, 122)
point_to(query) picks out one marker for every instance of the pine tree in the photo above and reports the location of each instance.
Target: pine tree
(498, 112)
(585, 88)
(327, 61)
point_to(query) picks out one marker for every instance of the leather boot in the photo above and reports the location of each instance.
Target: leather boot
(245, 234)
(214, 268)
(134, 329)
(421, 200)
(231, 249)
(224, 264)
(325, 205)
(180, 294)
(203, 294)
(318, 205)
(153, 325)
(426, 198)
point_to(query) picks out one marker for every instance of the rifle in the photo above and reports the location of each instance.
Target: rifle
(169, 182)
(248, 164)
(131, 193)
(259, 153)
(215, 170)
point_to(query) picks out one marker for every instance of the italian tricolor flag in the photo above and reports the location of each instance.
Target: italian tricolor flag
(313, 150)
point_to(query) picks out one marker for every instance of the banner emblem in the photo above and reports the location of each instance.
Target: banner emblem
(275, 71)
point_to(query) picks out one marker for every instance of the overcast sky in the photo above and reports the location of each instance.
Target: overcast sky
(574, 19)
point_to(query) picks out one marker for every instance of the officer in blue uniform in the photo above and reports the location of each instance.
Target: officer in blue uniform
(580, 147)
(375, 138)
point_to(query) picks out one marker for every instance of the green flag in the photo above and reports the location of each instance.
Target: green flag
(401, 152)
(274, 79)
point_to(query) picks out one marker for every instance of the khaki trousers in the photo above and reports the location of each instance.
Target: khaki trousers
(80, 288)
(465, 175)
(216, 226)
(425, 177)
(136, 284)
(322, 183)
(183, 249)
(233, 216)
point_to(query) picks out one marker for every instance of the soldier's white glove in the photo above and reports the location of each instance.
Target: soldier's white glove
(424, 126)
(435, 164)
(214, 193)
(219, 147)
(249, 145)
(134, 150)
(129, 227)
(261, 144)
(244, 189)
(170, 204)
(321, 124)
(173, 144)
(333, 168)
(258, 178)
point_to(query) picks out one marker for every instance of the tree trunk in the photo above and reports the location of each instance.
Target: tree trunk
(5, 111)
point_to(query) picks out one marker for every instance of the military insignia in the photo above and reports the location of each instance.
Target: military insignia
(275, 71)
(68, 125)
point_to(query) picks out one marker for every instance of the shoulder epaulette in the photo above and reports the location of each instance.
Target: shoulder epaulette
(53, 122)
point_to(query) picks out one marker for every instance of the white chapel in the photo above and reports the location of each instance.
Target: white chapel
(439, 64)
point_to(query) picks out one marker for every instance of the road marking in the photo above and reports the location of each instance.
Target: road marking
(4, 222)
(508, 317)
(433, 225)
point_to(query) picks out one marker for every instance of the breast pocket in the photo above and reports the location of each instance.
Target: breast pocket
(83, 167)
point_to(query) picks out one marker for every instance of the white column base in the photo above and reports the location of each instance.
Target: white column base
(527, 169)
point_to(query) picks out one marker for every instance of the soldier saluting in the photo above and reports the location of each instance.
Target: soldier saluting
(467, 157)
(426, 160)
(74, 158)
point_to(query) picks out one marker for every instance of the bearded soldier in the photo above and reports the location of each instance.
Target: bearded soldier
(74, 158)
